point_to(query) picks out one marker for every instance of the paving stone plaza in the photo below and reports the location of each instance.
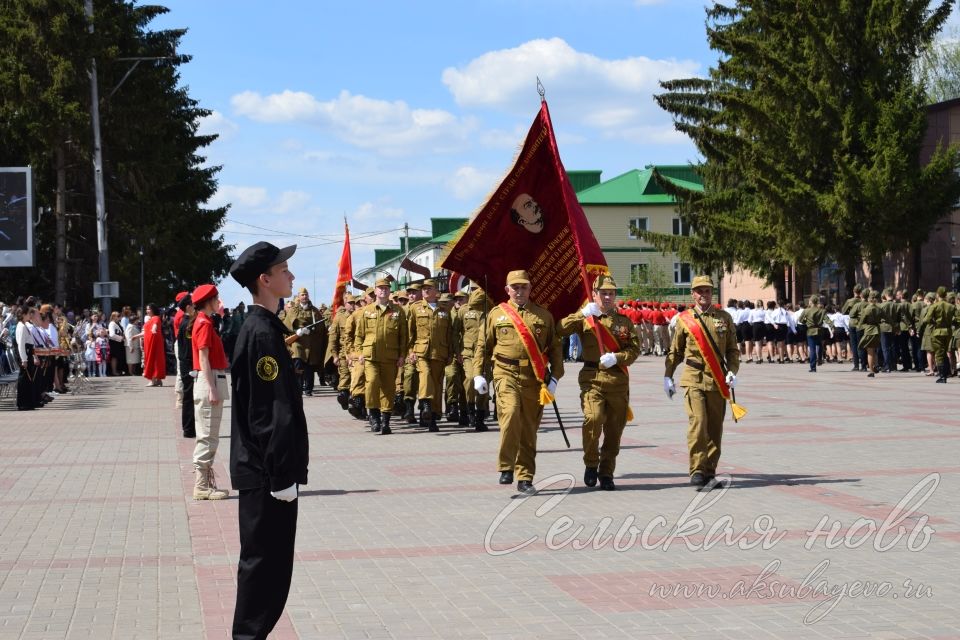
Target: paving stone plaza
(841, 520)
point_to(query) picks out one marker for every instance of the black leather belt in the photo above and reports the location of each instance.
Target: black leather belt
(590, 365)
(515, 363)
(693, 364)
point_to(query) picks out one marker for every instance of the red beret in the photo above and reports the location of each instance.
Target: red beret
(203, 293)
(181, 296)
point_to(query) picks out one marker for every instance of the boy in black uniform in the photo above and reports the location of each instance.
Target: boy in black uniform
(268, 444)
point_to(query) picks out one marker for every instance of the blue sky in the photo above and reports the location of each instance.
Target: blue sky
(395, 112)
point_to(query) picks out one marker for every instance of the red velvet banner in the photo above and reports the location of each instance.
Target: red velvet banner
(532, 221)
(344, 271)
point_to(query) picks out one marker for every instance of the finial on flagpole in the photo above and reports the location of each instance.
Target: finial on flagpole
(541, 90)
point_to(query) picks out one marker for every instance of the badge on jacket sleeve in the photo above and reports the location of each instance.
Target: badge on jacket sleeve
(267, 369)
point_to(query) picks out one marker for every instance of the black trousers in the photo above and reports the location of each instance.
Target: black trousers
(268, 530)
(187, 421)
(26, 387)
(307, 378)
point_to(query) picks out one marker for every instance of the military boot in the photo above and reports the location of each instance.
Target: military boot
(943, 369)
(408, 414)
(428, 419)
(363, 408)
(385, 425)
(353, 407)
(466, 410)
(375, 424)
(205, 486)
(398, 404)
(480, 425)
(343, 397)
(453, 412)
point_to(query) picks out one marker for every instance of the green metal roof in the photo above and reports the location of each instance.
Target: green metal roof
(385, 255)
(639, 186)
(443, 226)
(584, 179)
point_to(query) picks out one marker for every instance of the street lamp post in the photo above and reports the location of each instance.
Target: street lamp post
(141, 278)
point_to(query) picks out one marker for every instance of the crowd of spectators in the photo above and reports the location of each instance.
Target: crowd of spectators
(85, 342)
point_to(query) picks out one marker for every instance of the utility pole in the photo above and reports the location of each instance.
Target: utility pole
(60, 281)
(104, 273)
(406, 238)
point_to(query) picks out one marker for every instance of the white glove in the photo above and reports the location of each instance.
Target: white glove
(731, 380)
(590, 309)
(480, 385)
(552, 387)
(669, 388)
(286, 495)
(303, 331)
(607, 360)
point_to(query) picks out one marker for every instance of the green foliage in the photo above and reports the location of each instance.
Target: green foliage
(656, 286)
(155, 178)
(810, 126)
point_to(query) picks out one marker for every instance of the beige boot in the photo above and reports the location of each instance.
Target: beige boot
(205, 487)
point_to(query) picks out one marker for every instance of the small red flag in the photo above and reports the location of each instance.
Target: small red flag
(533, 221)
(344, 271)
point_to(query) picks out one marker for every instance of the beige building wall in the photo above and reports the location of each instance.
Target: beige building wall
(611, 226)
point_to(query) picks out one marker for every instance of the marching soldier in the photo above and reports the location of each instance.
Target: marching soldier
(337, 349)
(380, 337)
(940, 321)
(306, 351)
(453, 375)
(467, 326)
(851, 308)
(705, 340)
(410, 377)
(431, 339)
(358, 405)
(604, 380)
(521, 338)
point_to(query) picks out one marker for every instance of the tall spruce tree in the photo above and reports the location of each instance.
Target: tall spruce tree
(155, 179)
(810, 126)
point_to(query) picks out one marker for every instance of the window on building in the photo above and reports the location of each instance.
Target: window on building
(639, 273)
(680, 228)
(638, 224)
(681, 273)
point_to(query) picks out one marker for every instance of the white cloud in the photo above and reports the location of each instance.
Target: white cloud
(291, 202)
(368, 211)
(470, 183)
(390, 128)
(585, 89)
(217, 123)
(258, 200)
(247, 197)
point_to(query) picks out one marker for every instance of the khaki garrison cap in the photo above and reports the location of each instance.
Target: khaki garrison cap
(518, 277)
(604, 282)
(702, 281)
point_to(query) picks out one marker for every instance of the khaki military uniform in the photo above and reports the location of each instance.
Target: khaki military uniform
(467, 327)
(515, 385)
(940, 321)
(431, 339)
(357, 380)
(380, 337)
(336, 347)
(705, 404)
(604, 393)
(453, 374)
(307, 349)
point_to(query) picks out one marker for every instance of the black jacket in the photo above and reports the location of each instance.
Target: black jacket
(185, 348)
(268, 439)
